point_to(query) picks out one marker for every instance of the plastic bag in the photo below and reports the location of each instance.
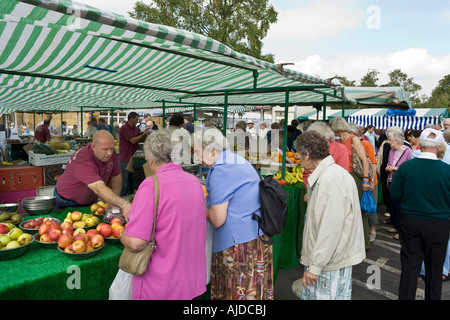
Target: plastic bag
(368, 203)
(121, 288)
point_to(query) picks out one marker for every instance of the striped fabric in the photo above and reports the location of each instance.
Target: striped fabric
(378, 118)
(59, 55)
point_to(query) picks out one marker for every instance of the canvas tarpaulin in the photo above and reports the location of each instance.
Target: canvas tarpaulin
(59, 55)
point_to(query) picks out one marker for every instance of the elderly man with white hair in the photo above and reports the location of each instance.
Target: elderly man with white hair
(422, 186)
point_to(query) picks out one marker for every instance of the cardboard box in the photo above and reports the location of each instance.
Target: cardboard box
(20, 178)
(37, 159)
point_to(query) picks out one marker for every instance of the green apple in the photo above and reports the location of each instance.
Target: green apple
(24, 239)
(15, 233)
(12, 244)
(9, 225)
(4, 240)
(90, 222)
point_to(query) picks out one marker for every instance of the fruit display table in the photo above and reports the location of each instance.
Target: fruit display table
(287, 246)
(48, 274)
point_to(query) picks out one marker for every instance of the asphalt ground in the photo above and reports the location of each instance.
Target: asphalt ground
(376, 278)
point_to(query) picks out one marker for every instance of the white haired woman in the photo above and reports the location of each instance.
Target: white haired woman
(341, 128)
(177, 268)
(242, 263)
(399, 154)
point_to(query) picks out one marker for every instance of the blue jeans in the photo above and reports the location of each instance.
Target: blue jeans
(127, 180)
(63, 203)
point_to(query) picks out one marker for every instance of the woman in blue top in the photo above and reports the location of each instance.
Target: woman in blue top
(241, 266)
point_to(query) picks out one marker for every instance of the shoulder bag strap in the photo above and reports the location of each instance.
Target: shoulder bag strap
(156, 183)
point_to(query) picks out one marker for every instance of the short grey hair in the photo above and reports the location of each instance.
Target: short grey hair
(338, 124)
(447, 135)
(322, 128)
(159, 146)
(396, 135)
(354, 129)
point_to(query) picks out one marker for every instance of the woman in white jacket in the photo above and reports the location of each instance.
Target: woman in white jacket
(333, 239)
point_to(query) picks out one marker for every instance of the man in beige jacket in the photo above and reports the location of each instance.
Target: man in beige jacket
(333, 239)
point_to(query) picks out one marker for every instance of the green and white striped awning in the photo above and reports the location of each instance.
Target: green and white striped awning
(59, 55)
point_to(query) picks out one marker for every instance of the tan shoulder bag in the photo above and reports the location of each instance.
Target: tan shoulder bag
(136, 262)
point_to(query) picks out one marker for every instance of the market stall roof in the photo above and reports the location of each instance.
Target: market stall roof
(379, 117)
(395, 97)
(59, 55)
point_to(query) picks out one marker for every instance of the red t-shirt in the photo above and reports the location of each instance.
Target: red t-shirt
(42, 134)
(126, 148)
(82, 169)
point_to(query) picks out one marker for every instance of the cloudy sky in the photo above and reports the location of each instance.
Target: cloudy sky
(348, 37)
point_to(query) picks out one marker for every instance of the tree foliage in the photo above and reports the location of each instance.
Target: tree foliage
(240, 24)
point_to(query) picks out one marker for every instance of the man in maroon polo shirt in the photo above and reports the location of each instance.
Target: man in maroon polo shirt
(86, 175)
(129, 137)
(42, 133)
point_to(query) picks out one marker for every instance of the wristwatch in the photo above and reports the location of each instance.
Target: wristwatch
(372, 180)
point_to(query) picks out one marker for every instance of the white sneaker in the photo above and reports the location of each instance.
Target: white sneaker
(372, 236)
(387, 214)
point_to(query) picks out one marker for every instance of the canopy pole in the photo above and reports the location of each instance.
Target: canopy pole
(343, 108)
(225, 114)
(195, 113)
(34, 121)
(81, 123)
(255, 79)
(286, 113)
(111, 128)
(324, 108)
(164, 113)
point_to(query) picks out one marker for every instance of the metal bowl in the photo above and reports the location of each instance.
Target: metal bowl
(82, 255)
(9, 207)
(46, 245)
(39, 212)
(35, 206)
(33, 231)
(8, 254)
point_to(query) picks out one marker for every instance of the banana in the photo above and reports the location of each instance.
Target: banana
(299, 177)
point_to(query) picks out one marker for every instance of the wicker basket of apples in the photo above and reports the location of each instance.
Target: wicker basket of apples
(81, 244)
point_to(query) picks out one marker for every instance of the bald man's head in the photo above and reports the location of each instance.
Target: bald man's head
(103, 145)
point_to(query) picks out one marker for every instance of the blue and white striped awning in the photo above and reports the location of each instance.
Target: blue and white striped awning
(379, 119)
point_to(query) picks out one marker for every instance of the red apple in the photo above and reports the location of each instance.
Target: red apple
(76, 215)
(44, 228)
(79, 230)
(117, 231)
(68, 231)
(97, 241)
(55, 226)
(68, 248)
(4, 229)
(116, 220)
(92, 232)
(65, 240)
(26, 225)
(101, 210)
(66, 224)
(54, 235)
(89, 247)
(106, 230)
(79, 246)
(81, 236)
(45, 238)
(100, 225)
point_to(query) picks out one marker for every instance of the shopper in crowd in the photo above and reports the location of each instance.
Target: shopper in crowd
(373, 180)
(129, 137)
(116, 130)
(87, 172)
(188, 125)
(446, 123)
(177, 269)
(175, 122)
(251, 129)
(103, 125)
(425, 207)
(63, 128)
(333, 239)
(51, 126)
(412, 136)
(242, 136)
(42, 132)
(342, 130)
(75, 130)
(370, 135)
(143, 124)
(25, 128)
(397, 156)
(262, 130)
(242, 262)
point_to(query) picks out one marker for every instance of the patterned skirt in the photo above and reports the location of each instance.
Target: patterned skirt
(243, 272)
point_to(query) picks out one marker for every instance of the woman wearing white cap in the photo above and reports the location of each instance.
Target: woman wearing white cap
(251, 129)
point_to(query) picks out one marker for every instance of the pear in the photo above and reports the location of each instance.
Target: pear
(12, 244)
(16, 218)
(4, 216)
(4, 240)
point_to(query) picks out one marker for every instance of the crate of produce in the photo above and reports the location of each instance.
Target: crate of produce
(38, 159)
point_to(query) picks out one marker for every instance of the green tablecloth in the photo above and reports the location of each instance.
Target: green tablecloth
(48, 274)
(287, 247)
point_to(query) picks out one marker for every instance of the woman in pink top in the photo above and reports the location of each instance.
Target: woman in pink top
(177, 268)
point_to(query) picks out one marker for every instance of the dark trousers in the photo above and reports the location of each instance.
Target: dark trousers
(422, 240)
